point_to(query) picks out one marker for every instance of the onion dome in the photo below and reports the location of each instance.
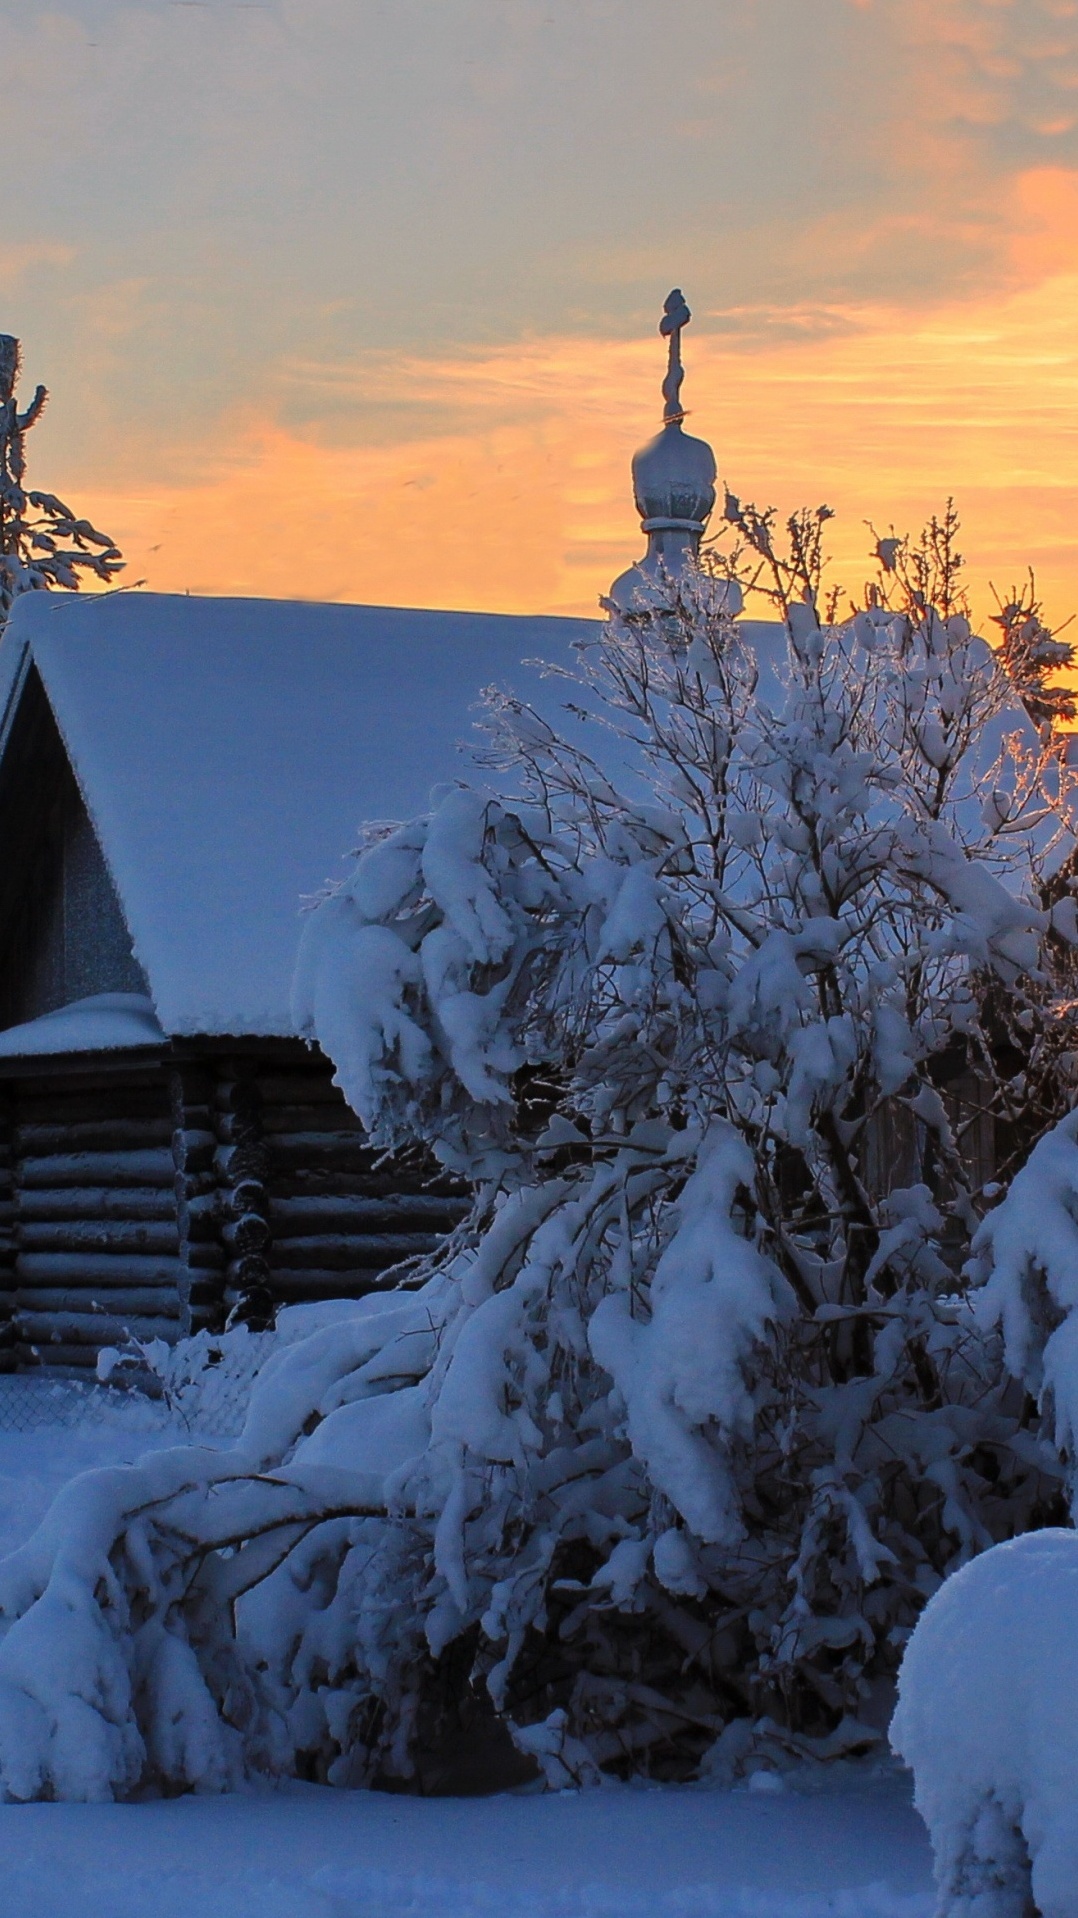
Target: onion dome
(673, 484)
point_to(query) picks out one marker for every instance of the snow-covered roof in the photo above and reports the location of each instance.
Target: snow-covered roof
(228, 751)
(106, 1022)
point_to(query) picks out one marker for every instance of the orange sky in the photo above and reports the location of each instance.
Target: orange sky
(348, 301)
(527, 506)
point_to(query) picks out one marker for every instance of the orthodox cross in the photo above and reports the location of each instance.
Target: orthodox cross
(675, 315)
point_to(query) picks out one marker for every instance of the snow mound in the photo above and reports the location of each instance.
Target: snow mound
(988, 1720)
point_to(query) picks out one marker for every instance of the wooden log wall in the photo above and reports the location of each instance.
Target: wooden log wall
(96, 1235)
(166, 1200)
(192, 1090)
(243, 1176)
(338, 1215)
(7, 1234)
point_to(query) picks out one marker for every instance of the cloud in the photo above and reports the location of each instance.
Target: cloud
(1043, 208)
(359, 302)
(19, 258)
(523, 502)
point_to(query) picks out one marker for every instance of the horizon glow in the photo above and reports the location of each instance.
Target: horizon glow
(348, 300)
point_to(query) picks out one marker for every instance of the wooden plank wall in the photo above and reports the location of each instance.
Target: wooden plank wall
(162, 1200)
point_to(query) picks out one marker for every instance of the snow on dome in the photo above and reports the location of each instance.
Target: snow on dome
(674, 481)
(228, 751)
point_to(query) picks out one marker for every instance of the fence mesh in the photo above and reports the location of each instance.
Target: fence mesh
(202, 1386)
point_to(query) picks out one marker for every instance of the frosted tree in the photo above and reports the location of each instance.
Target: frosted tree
(710, 995)
(1031, 653)
(43, 543)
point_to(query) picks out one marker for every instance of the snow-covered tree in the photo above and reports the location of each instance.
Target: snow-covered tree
(43, 543)
(658, 1457)
(1031, 653)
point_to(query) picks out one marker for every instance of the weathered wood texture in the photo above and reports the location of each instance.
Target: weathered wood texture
(167, 1198)
(96, 1237)
(198, 1198)
(336, 1214)
(8, 1359)
(62, 930)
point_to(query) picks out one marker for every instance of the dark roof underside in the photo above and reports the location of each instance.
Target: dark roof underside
(62, 930)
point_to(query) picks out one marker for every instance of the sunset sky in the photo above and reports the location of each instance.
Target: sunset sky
(357, 299)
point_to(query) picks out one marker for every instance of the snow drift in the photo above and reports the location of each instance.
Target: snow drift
(988, 1720)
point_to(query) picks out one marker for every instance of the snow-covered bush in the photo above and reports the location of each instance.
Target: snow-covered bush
(1025, 1256)
(988, 1690)
(988, 1720)
(201, 1383)
(1031, 654)
(679, 1430)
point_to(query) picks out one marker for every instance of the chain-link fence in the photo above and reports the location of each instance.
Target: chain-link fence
(201, 1386)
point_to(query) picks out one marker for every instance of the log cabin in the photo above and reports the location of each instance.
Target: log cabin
(177, 775)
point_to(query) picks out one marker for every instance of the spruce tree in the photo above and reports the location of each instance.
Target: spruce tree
(1031, 653)
(43, 543)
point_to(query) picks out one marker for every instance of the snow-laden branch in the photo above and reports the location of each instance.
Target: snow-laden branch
(681, 1427)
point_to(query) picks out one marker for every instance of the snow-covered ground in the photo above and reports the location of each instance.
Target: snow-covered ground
(621, 1853)
(851, 1849)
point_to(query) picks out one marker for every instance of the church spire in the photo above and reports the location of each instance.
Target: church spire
(673, 482)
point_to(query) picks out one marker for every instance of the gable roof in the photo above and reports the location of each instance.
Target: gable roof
(227, 751)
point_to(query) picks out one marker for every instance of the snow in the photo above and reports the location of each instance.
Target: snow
(988, 1719)
(853, 1848)
(228, 751)
(106, 1022)
(1026, 1253)
(307, 1852)
(682, 1373)
(37, 1463)
(749, 984)
(448, 1408)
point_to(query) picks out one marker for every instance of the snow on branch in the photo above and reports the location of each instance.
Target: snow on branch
(736, 1017)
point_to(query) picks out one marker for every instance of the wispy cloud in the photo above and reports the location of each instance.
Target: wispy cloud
(21, 257)
(358, 301)
(523, 501)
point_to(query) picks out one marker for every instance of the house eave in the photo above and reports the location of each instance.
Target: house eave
(114, 1060)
